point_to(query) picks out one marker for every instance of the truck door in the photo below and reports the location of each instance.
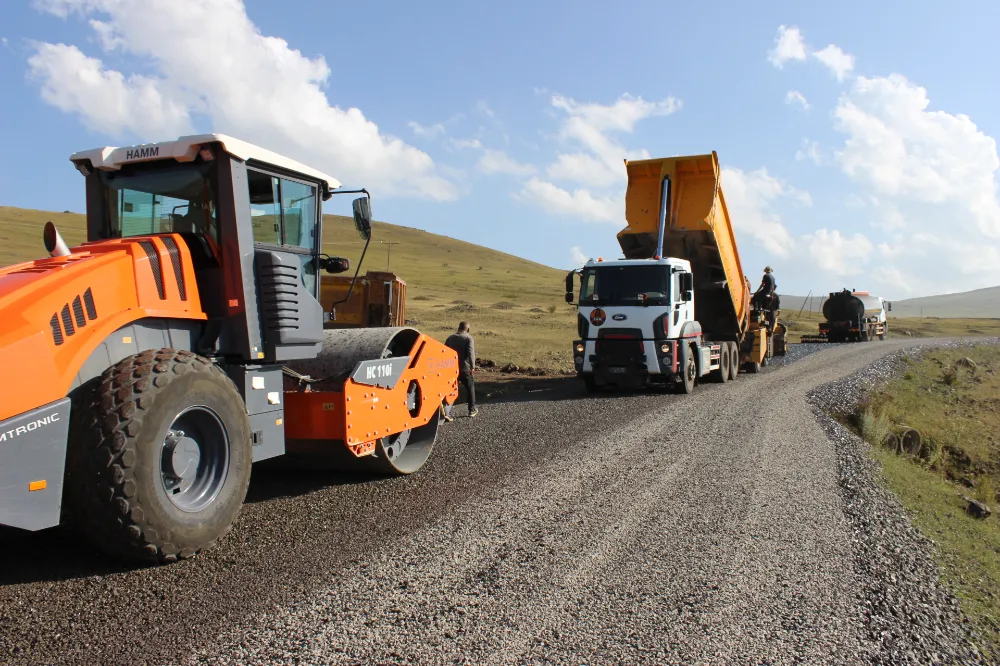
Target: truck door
(285, 215)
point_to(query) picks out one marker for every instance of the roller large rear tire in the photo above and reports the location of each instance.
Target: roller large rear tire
(162, 460)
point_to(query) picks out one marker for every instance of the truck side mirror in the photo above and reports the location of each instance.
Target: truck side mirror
(569, 286)
(363, 217)
(888, 307)
(688, 295)
(687, 285)
(569, 297)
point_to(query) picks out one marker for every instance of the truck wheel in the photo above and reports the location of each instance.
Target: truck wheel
(164, 460)
(722, 374)
(734, 359)
(688, 370)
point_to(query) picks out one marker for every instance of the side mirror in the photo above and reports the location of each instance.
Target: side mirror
(334, 264)
(363, 217)
(687, 284)
(688, 295)
(888, 307)
(569, 297)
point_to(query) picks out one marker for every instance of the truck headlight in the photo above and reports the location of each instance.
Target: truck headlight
(579, 348)
(665, 348)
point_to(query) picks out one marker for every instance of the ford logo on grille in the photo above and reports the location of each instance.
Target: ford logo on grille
(619, 317)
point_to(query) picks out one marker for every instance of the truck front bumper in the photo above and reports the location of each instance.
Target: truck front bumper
(32, 463)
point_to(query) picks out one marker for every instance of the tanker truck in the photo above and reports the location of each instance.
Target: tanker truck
(852, 316)
(144, 372)
(677, 306)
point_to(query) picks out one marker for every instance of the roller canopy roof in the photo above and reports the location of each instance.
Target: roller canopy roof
(186, 148)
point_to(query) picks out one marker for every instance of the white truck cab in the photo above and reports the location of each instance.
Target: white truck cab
(636, 323)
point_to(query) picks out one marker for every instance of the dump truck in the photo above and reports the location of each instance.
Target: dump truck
(852, 316)
(147, 369)
(375, 300)
(677, 306)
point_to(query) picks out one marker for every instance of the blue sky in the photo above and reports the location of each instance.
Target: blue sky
(856, 139)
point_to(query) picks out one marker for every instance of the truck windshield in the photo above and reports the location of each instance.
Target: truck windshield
(623, 285)
(161, 198)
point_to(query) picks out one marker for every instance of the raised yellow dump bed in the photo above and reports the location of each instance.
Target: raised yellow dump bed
(697, 228)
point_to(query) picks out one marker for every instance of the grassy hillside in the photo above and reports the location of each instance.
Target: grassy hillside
(953, 403)
(515, 306)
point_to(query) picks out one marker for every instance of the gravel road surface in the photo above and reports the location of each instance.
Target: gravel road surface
(562, 528)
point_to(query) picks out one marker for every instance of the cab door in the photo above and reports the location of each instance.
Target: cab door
(285, 214)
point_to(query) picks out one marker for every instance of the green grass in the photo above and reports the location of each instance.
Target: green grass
(957, 411)
(447, 281)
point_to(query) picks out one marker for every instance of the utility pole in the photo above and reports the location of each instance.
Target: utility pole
(388, 255)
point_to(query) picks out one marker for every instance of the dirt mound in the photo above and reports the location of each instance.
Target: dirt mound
(504, 305)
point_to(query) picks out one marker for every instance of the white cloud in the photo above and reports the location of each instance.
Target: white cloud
(499, 162)
(108, 102)
(809, 150)
(247, 84)
(795, 97)
(426, 131)
(585, 169)
(579, 204)
(839, 62)
(485, 109)
(750, 196)
(931, 179)
(836, 254)
(475, 144)
(579, 258)
(788, 45)
(595, 159)
(899, 149)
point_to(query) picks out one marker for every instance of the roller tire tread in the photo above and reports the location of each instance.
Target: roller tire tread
(108, 419)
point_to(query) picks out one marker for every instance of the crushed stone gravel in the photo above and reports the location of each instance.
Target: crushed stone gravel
(562, 528)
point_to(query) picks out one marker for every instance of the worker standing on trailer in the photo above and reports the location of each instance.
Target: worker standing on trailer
(463, 344)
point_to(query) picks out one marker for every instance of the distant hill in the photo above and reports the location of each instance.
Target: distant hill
(976, 303)
(980, 303)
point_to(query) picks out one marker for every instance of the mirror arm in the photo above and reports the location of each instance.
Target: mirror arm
(333, 306)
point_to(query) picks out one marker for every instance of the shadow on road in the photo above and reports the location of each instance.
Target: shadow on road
(60, 554)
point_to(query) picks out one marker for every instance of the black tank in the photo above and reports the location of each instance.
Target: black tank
(843, 306)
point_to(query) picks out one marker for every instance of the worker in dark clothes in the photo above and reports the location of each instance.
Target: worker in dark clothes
(766, 290)
(461, 341)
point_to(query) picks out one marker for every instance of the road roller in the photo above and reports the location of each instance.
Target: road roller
(184, 341)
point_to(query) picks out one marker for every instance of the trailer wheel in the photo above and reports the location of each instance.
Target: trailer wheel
(734, 359)
(164, 460)
(688, 370)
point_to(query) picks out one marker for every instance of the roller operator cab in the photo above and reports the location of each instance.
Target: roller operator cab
(145, 370)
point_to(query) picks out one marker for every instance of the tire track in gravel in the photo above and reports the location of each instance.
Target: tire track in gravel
(546, 531)
(693, 551)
